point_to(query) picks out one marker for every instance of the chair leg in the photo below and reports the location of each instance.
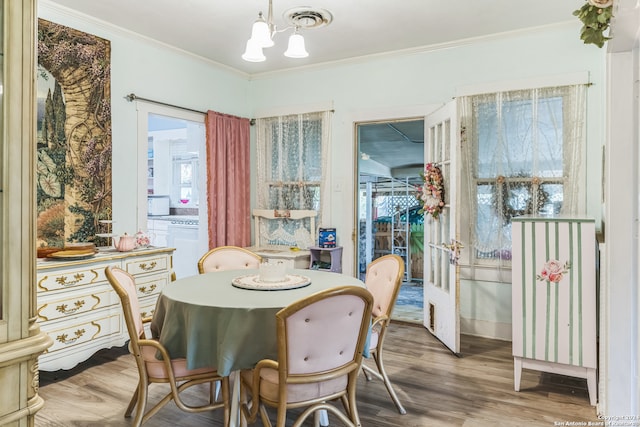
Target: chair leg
(141, 404)
(264, 416)
(226, 398)
(281, 416)
(345, 405)
(313, 409)
(366, 374)
(378, 358)
(132, 403)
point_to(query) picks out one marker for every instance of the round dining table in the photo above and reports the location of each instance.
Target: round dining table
(213, 323)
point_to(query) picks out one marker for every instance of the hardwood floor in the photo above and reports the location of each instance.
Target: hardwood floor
(436, 388)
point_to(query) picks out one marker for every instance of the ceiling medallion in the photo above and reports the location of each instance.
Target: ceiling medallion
(305, 17)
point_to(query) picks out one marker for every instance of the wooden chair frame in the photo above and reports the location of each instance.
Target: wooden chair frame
(380, 324)
(351, 369)
(177, 384)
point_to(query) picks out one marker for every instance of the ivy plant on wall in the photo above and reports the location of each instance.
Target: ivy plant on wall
(595, 16)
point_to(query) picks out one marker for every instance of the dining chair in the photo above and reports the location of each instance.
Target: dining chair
(321, 339)
(228, 258)
(383, 279)
(166, 370)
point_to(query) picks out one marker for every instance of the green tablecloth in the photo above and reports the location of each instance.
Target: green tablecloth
(211, 323)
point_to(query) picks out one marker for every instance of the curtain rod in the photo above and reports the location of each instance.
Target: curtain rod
(132, 97)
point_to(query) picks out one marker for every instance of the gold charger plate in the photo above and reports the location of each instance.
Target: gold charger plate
(252, 282)
(71, 255)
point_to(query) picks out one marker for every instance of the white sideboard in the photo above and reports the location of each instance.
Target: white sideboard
(79, 309)
(554, 297)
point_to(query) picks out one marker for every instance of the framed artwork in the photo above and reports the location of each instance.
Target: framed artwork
(74, 134)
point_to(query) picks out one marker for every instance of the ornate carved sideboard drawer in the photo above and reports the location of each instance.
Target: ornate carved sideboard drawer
(83, 330)
(76, 303)
(148, 306)
(70, 277)
(145, 265)
(150, 285)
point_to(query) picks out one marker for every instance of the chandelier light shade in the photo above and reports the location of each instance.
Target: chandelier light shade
(263, 32)
(253, 52)
(296, 47)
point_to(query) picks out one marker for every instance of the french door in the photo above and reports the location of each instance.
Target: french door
(441, 281)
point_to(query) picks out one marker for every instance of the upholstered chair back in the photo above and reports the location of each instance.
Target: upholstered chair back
(383, 280)
(125, 286)
(228, 258)
(324, 335)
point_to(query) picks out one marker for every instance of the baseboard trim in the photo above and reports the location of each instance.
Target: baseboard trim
(486, 329)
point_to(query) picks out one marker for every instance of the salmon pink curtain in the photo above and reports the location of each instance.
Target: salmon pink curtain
(228, 186)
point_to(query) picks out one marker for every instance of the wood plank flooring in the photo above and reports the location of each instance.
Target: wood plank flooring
(436, 388)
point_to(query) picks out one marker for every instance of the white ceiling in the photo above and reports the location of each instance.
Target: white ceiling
(398, 145)
(218, 30)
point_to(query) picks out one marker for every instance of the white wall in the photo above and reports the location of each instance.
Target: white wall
(485, 309)
(410, 84)
(406, 84)
(157, 72)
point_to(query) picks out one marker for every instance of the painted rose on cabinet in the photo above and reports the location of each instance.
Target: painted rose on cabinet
(553, 271)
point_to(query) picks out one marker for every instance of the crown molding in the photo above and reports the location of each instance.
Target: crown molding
(46, 7)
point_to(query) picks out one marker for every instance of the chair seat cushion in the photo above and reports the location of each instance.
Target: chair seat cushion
(295, 392)
(155, 367)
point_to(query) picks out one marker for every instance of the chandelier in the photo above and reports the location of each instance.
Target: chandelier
(263, 31)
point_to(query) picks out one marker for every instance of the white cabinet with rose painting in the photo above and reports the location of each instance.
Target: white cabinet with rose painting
(554, 297)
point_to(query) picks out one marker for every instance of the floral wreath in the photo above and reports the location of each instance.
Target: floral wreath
(501, 195)
(431, 193)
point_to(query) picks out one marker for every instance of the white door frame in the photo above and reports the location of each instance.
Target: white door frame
(350, 253)
(144, 109)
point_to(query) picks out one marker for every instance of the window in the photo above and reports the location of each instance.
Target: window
(185, 187)
(292, 153)
(522, 150)
(173, 159)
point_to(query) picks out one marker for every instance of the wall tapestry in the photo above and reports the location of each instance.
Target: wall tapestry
(74, 134)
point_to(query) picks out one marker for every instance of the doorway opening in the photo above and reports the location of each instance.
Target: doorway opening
(172, 147)
(390, 160)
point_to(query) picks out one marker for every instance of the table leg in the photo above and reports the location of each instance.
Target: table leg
(324, 418)
(235, 417)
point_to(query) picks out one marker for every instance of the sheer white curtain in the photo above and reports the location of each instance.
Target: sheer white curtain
(522, 155)
(292, 167)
